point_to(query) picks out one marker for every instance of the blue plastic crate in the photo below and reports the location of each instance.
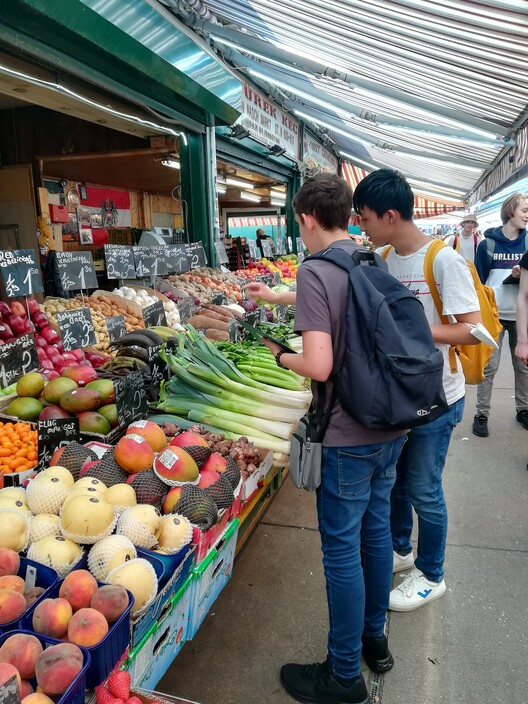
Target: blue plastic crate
(170, 562)
(106, 654)
(76, 691)
(34, 574)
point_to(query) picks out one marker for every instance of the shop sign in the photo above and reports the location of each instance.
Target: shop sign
(20, 272)
(116, 327)
(53, 434)
(154, 314)
(76, 329)
(17, 358)
(317, 157)
(131, 399)
(119, 261)
(196, 253)
(268, 123)
(177, 259)
(76, 270)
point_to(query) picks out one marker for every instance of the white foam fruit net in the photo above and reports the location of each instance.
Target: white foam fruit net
(103, 554)
(46, 496)
(15, 533)
(143, 593)
(129, 526)
(177, 530)
(61, 568)
(43, 525)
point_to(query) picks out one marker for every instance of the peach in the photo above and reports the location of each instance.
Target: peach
(110, 600)
(87, 627)
(51, 617)
(57, 667)
(78, 588)
(10, 581)
(9, 561)
(21, 651)
(25, 689)
(7, 671)
(37, 698)
(33, 593)
(12, 605)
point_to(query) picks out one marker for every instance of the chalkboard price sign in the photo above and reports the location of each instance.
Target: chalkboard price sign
(159, 371)
(281, 313)
(267, 249)
(276, 278)
(300, 257)
(251, 317)
(279, 246)
(219, 299)
(300, 244)
(196, 253)
(17, 358)
(252, 249)
(76, 270)
(266, 279)
(221, 254)
(53, 434)
(154, 314)
(233, 329)
(131, 399)
(116, 327)
(150, 261)
(186, 309)
(76, 329)
(119, 261)
(177, 260)
(20, 272)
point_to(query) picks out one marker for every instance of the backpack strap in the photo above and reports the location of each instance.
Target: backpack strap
(456, 243)
(430, 255)
(386, 252)
(475, 242)
(490, 247)
(359, 257)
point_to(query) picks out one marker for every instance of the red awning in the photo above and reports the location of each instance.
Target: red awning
(423, 207)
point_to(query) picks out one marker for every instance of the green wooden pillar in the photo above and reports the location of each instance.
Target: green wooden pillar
(194, 190)
(291, 226)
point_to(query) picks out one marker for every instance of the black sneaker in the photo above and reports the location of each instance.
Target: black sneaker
(316, 684)
(522, 418)
(480, 425)
(376, 654)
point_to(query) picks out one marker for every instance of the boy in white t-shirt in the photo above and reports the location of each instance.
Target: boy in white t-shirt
(385, 202)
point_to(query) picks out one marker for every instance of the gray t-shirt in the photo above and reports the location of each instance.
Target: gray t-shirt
(321, 306)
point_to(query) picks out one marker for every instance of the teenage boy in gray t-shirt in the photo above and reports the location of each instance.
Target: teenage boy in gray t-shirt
(358, 473)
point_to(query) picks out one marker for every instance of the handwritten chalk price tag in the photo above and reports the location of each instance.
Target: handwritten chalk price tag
(131, 399)
(196, 253)
(17, 358)
(76, 329)
(119, 262)
(116, 327)
(186, 308)
(53, 434)
(154, 314)
(76, 270)
(20, 272)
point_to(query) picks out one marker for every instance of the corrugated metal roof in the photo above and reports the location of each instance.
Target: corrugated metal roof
(402, 66)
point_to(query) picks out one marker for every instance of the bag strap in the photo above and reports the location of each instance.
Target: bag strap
(430, 255)
(490, 247)
(386, 252)
(456, 243)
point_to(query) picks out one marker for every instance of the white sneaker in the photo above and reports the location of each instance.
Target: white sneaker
(402, 562)
(415, 591)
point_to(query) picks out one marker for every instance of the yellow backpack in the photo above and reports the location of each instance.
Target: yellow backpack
(473, 358)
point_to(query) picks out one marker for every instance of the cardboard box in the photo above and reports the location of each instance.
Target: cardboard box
(251, 484)
(149, 662)
(211, 576)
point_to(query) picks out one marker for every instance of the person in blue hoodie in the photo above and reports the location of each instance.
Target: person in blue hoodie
(497, 258)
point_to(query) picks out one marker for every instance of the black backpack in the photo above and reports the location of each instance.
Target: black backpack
(391, 375)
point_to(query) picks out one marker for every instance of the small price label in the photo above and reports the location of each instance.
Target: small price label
(221, 254)
(186, 309)
(76, 270)
(196, 253)
(53, 434)
(76, 329)
(154, 315)
(116, 327)
(281, 313)
(276, 278)
(119, 261)
(262, 315)
(279, 246)
(251, 317)
(300, 257)
(17, 358)
(267, 249)
(252, 249)
(265, 279)
(219, 299)
(131, 399)
(159, 370)
(20, 272)
(234, 330)
(300, 244)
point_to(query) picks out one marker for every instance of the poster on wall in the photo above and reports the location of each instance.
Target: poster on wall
(316, 156)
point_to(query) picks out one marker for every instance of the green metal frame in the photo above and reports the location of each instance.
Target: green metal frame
(194, 191)
(69, 34)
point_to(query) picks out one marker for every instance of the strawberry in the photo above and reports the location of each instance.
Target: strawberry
(103, 696)
(134, 700)
(119, 684)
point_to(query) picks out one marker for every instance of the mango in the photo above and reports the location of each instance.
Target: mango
(81, 375)
(175, 465)
(79, 400)
(31, 384)
(24, 408)
(51, 411)
(110, 413)
(151, 432)
(55, 388)
(92, 422)
(134, 454)
(105, 389)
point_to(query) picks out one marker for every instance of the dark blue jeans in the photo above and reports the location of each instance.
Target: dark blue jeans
(419, 486)
(353, 506)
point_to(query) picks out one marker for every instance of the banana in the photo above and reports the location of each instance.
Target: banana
(133, 351)
(163, 332)
(135, 338)
(153, 334)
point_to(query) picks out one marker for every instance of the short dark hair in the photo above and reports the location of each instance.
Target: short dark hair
(327, 198)
(382, 190)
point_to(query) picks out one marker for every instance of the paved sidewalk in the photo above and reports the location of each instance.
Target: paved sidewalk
(470, 646)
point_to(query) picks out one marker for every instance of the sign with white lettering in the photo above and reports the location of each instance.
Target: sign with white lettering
(268, 123)
(76, 270)
(53, 434)
(76, 329)
(119, 261)
(17, 358)
(317, 157)
(20, 272)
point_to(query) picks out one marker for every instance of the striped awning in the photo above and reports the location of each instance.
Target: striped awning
(256, 221)
(424, 207)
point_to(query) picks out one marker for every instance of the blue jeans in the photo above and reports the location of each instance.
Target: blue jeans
(419, 486)
(353, 506)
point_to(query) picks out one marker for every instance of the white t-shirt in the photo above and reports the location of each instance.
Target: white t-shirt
(456, 290)
(467, 246)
